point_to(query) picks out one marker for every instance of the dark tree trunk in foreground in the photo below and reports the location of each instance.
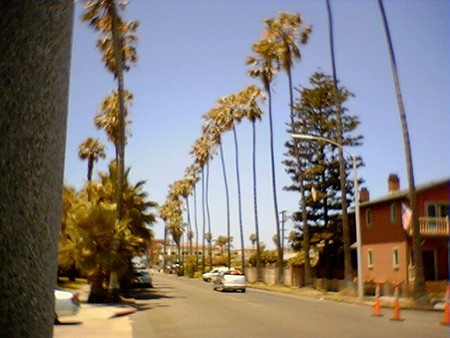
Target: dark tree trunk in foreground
(35, 42)
(419, 276)
(348, 269)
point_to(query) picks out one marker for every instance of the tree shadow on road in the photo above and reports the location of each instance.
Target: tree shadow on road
(150, 293)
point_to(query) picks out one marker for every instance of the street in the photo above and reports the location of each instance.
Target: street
(181, 307)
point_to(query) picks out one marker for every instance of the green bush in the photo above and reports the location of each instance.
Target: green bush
(189, 266)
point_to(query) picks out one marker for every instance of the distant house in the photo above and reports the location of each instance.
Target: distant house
(386, 235)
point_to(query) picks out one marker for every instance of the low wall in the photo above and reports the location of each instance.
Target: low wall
(294, 277)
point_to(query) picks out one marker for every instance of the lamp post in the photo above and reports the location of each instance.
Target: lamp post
(356, 199)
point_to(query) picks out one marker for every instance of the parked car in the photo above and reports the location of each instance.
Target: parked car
(66, 304)
(230, 281)
(210, 276)
(142, 278)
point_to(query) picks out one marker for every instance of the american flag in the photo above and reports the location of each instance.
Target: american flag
(406, 216)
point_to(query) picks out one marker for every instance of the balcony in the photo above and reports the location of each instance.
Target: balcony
(433, 226)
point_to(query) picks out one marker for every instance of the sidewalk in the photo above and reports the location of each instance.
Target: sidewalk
(96, 320)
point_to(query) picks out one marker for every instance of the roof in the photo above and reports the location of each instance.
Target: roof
(401, 194)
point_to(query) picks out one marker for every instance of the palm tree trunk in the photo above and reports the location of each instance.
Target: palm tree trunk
(189, 229)
(238, 181)
(97, 293)
(203, 221)
(306, 231)
(279, 277)
(120, 83)
(419, 277)
(196, 228)
(165, 249)
(35, 42)
(90, 168)
(255, 206)
(227, 197)
(208, 214)
(348, 270)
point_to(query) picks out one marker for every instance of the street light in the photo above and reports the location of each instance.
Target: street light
(356, 198)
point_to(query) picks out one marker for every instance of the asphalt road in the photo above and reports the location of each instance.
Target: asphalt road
(181, 307)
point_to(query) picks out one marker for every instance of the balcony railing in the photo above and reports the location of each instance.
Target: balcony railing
(433, 226)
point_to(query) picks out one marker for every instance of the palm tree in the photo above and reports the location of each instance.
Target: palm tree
(202, 153)
(107, 117)
(100, 243)
(137, 212)
(208, 237)
(30, 194)
(218, 121)
(223, 241)
(287, 32)
(118, 51)
(249, 99)
(91, 150)
(233, 107)
(172, 213)
(264, 67)
(253, 239)
(164, 214)
(192, 172)
(419, 276)
(348, 270)
(190, 235)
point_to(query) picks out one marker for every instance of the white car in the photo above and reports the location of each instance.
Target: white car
(209, 276)
(66, 304)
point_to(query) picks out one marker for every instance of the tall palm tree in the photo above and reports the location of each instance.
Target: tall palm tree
(164, 214)
(348, 270)
(208, 235)
(264, 67)
(419, 276)
(217, 122)
(287, 32)
(192, 172)
(249, 99)
(202, 152)
(183, 189)
(234, 109)
(173, 217)
(91, 150)
(118, 51)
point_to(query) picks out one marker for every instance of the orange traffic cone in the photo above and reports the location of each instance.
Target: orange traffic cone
(377, 306)
(447, 307)
(396, 314)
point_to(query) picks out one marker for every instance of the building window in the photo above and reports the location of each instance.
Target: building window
(395, 259)
(393, 213)
(370, 259)
(436, 209)
(368, 218)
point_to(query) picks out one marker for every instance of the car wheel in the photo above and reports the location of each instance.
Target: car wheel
(243, 290)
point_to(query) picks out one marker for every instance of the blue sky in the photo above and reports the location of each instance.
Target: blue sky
(192, 52)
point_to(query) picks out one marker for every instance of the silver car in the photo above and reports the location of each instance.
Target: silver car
(230, 281)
